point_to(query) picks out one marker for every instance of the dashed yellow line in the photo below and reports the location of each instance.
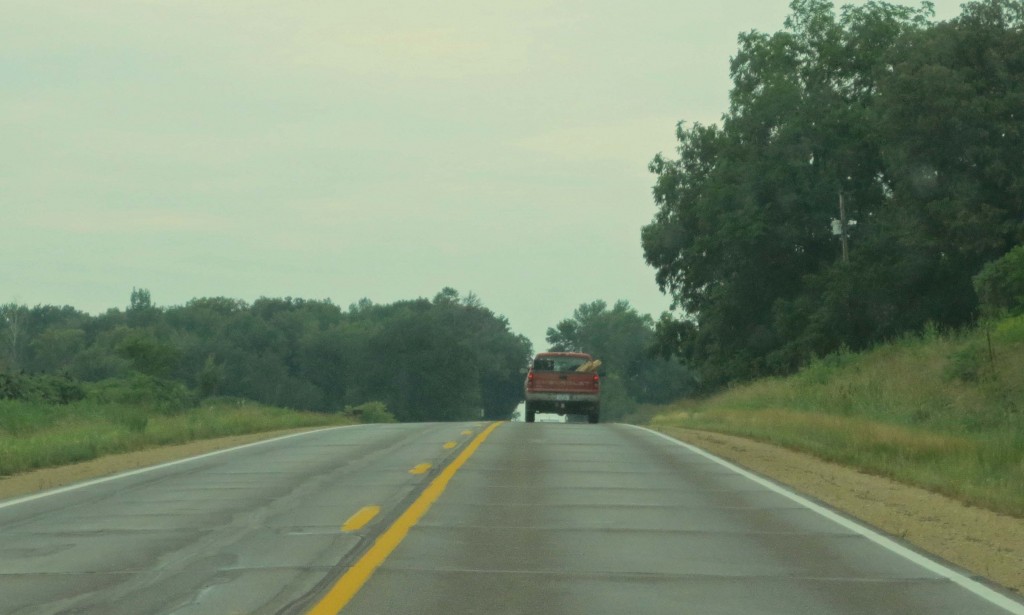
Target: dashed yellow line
(353, 580)
(360, 519)
(420, 469)
(450, 445)
(467, 432)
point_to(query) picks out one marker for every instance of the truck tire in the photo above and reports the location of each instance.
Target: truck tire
(530, 415)
(594, 415)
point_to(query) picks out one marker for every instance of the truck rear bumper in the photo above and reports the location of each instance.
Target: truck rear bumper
(563, 403)
(588, 398)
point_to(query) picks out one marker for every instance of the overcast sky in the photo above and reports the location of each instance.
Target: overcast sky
(337, 149)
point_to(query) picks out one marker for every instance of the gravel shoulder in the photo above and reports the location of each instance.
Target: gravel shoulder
(982, 542)
(985, 543)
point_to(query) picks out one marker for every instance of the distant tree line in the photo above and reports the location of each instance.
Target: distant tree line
(622, 339)
(449, 358)
(915, 127)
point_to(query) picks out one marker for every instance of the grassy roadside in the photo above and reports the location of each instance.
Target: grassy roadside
(39, 435)
(942, 412)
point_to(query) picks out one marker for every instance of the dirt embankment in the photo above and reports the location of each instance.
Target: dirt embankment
(983, 542)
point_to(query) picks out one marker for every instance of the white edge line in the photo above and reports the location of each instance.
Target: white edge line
(113, 477)
(976, 588)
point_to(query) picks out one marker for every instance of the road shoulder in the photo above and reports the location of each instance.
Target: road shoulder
(53, 478)
(980, 541)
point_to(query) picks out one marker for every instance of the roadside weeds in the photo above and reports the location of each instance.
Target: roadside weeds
(44, 479)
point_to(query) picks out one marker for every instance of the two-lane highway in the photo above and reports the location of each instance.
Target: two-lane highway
(517, 518)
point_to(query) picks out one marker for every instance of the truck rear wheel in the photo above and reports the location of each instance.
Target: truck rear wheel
(531, 415)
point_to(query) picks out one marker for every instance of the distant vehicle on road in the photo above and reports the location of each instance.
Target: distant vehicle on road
(563, 383)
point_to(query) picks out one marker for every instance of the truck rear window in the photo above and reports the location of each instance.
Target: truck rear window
(557, 364)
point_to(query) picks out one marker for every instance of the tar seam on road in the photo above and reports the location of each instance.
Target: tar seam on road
(976, 588)
(360, 572)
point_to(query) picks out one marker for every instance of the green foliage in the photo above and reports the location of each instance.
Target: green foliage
(916, 124)
(38, 435)
(967, 364)
(428, 360)
(13, 326)
(148, 354)
(162, 395)
(370, 412)
(53, 349)
(942, 411)
(622, 338)
(1000, 283)
(20, 418)
(98, 363)
(40, 388)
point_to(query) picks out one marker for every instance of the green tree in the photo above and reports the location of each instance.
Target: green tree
(498, 353)
(211, 377)
(141, 312)
(622, 338)
(916, 125)
(148, 354)
(55, 348)
(425, 369)
(13, 319)
(1000, 284)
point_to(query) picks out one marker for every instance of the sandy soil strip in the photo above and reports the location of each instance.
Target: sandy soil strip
(983, 542)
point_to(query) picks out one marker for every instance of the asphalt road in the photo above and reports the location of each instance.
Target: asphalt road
(528, 518)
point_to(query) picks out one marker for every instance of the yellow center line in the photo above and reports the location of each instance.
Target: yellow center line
(420, 469)
(360, 519)
(353, 580)
(450, 445)
(467, 432)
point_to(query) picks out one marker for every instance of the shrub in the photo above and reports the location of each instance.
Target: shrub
(43, 388)
(162, 395)
(1000, 284)
(370, 412)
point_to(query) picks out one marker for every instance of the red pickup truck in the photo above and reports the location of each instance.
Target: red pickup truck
(563, 383)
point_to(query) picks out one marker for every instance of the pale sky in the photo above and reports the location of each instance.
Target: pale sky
(337, 150)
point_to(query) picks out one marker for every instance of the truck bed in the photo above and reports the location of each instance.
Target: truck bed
(555, 384)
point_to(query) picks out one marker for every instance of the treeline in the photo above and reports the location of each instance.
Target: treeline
(916, 128)
(449, 358)
(622, 338)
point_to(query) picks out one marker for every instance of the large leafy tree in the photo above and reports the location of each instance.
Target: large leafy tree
(622, 339)
(916, 125)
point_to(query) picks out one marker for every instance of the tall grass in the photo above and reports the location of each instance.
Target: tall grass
(944, 412)
(35, 435)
